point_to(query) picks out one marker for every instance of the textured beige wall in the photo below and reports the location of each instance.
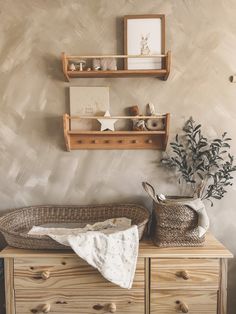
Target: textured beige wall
(35, 169)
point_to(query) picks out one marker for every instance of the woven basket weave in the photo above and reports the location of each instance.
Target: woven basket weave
(173, 224)
(16, 225)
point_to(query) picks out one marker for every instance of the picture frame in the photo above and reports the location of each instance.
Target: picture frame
(144, 35)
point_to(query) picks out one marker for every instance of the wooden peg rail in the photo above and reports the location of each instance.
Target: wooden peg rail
(78, 139)
(162, 73)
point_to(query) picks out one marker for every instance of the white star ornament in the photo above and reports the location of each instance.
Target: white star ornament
(107, 123)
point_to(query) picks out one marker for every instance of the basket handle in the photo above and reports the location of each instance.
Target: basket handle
(150, 191)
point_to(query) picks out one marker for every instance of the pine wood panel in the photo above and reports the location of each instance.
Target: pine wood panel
(222, 306)
(147, 285)
(175, 263)
(170, 302)
(212, 249)
(65, 272)
(9, 287)
(118, 73)
(114, 56)
(70, 301)
(105, 140)
(185, 273)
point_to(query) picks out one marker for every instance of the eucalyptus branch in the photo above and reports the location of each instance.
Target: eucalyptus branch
(203, 163)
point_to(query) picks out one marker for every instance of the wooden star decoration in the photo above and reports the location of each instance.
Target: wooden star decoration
(107, 123)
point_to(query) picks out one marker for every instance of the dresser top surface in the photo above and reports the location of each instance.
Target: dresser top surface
(212, 248)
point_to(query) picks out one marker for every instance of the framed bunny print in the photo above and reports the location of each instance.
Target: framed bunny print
(144, 36)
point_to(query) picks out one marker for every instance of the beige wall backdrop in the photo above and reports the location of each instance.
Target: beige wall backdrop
(34, 166)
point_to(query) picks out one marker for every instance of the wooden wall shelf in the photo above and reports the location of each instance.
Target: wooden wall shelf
(162, 73)
(77, 139)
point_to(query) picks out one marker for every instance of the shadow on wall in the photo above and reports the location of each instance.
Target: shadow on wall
(54, 125)
(120, 40)
(53, 67)
(46, 130)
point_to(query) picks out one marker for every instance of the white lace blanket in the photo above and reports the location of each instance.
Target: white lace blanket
(203, 220)
(110, 246)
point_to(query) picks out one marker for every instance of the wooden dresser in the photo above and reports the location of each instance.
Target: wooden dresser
(167, 281)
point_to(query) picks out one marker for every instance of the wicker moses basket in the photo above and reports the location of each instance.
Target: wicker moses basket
(16, 225)
(173, 224)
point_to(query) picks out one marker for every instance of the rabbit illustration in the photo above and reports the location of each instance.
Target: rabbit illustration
(145, 50)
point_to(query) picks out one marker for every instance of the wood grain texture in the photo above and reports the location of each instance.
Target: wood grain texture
(70, 301)
(9, 286)
(169, 301)
(167, 65)
(222, 304)
(116, 141)
(193, 263)
(201, 274)
(65, 65)
(113, 56)
(156, 116)
(118, 73)
(65, 272)
(212, 249)
(60, 282)
(66, 128)
(147, 285)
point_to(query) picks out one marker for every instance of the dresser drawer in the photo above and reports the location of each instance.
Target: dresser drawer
(90, 301)
(185, 273)
(192, 302)
(64, 273)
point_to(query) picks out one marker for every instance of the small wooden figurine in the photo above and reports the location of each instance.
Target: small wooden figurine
(81, 64)
(72, 67)
(138, 124)
(96, 64)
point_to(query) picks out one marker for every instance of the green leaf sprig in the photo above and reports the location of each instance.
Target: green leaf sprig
(205, 164)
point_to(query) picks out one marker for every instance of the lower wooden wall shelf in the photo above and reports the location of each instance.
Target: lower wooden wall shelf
(77, 139)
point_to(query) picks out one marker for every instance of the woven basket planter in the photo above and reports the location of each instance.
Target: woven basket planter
(173, 224)
(16, 225)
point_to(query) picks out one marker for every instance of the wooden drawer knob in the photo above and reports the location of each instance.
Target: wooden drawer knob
(183, 307)
(46, 308)
(42, 309)
(45, 274)
(109, 307)
(183, 274)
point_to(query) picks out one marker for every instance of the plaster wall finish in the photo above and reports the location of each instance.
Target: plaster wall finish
(34, 166)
